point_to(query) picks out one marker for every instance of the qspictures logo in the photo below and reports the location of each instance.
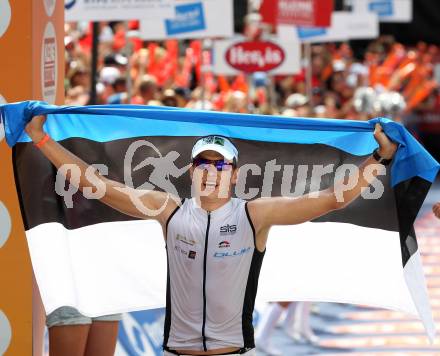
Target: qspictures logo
(294, 180)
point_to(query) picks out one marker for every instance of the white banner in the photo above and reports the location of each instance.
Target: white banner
(274, 56)
(192, 19)
(387, 10)
(345, 26)
(117, 10)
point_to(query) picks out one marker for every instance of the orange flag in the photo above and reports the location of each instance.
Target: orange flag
(240, 83)
(422, 92)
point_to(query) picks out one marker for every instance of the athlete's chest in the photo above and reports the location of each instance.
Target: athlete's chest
(195, 237)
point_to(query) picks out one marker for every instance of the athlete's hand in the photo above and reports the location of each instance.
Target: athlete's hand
(387, 148)
(35, 128)
(436, 209)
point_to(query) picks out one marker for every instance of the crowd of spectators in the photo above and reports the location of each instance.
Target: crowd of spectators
(388, 79)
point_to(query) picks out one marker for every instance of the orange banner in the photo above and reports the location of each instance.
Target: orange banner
(32, 67)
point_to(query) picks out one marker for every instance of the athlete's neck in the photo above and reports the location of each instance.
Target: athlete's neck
(210, 204)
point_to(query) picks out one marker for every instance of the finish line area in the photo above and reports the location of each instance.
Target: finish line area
(342, 329)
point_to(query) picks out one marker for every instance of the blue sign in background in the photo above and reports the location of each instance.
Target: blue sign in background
(307, 32)
(189, 17)
(141, 333)
(382, 7)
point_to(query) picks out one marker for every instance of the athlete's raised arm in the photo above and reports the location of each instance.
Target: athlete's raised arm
(116, 195)
(266, 212)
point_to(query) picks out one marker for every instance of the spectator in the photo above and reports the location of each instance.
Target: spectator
(169, 98)
(297, 105)
(146, 90)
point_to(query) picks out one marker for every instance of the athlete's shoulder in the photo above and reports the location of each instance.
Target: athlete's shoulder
(184, 203)
(172, 208)
(238, 202)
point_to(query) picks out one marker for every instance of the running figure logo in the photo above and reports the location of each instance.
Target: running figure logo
(163, 168)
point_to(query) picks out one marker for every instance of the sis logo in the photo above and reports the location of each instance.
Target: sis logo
(228, 229)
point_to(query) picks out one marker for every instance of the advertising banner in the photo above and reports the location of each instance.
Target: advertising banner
(314, 13)
(192, 19)
(274, 56)
(31, 37)
(345, 26)
(387, 10)
(113, 10)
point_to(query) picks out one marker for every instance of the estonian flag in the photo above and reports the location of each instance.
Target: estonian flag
(100, 261)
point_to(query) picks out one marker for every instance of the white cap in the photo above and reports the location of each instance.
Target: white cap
(215, 143)
(339, 65)
(364, 98)
(109, 75)
(296, 100)
(390, 103)
(202, 105)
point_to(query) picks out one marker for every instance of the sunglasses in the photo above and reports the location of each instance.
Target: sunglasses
(220, 165)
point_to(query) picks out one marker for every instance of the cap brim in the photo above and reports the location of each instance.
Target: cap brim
(213, 147)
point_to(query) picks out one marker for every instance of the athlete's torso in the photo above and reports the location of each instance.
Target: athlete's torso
(213, 274)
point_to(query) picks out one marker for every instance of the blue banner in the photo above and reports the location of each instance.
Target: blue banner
(110, 122)
(382, 7)
(308, 32)
(189, 18)
(141, 333)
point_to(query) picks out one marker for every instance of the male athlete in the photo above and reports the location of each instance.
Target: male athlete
(215, 243)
